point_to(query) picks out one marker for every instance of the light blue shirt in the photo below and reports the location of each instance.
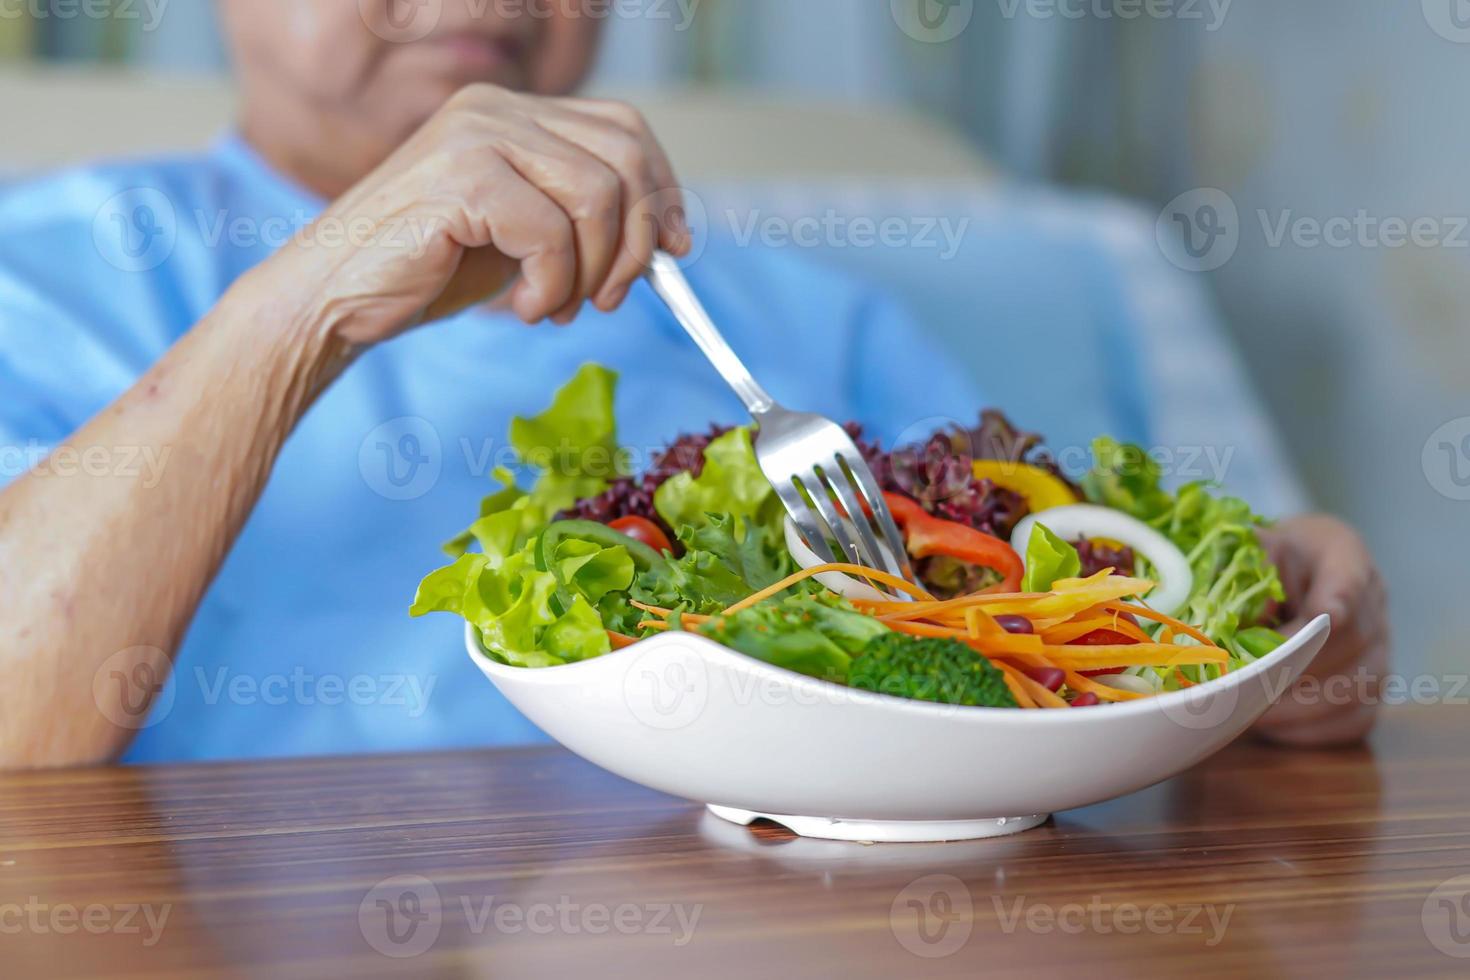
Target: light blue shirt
(303, 643)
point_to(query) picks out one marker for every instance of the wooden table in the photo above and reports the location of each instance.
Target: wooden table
(1261, 863)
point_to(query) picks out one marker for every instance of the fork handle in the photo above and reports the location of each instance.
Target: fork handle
(668, 281)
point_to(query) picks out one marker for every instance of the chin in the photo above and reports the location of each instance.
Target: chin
(413, 105)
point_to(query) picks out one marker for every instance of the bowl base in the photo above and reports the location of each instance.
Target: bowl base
(885, 831)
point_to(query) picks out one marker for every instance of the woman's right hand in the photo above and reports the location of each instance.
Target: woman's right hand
(568, 198)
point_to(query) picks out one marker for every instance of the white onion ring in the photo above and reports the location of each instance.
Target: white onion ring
(1126, 682)
(843, 584)
(1175, 579)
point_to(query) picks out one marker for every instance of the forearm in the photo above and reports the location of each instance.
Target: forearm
(96, 559)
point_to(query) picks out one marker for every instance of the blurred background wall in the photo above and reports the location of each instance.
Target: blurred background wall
(1332, 133)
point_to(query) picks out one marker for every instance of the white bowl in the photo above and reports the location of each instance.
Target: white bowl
(684, 715)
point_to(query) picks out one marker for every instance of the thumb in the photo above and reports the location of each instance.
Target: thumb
(483, 273)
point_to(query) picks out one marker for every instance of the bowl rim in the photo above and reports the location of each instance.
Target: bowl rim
(709, 649)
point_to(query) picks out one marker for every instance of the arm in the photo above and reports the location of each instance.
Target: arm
(561, 195)
(111, 567)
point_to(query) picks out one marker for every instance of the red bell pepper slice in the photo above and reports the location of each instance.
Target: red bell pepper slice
(926, 536)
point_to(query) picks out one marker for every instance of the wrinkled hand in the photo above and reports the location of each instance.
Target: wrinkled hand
(1326, 568)
(568, 198)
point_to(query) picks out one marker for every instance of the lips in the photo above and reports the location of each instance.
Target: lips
(479, 52)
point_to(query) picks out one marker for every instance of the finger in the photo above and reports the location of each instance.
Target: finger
(1313, 698)
(633, 122)
(626, 157)
(1341, 728)
(1314, 552)
(629, 157)
(507, 211)
(1341, 589)
(666, 210)
(1293, 565)
(587, 189)
(639, 235)
(479, 267)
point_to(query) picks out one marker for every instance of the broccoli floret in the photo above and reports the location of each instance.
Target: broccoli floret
(926, 669)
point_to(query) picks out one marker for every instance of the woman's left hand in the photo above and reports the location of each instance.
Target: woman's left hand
(1326, 568)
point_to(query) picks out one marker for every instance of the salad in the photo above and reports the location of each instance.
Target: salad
(1034, 591)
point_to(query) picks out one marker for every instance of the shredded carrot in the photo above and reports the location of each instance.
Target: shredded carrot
(1086, 685)
(1078, 628)
(619, 641)
(1064, 604)
(892, 581)
(1170, 621)
(1071, 611)
(924, 629)
(1135, 655)
(1003, 644)
(972, 622)
(937, 608)
(662, 623)
(980, 623)
(1039, 693)
(1013, 683)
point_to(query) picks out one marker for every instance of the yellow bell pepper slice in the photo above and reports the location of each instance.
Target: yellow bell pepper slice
(1041, 490)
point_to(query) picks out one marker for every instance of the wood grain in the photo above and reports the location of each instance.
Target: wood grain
(536, 864)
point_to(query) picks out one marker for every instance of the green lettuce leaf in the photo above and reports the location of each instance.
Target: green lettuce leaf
(718, 568)
(444, 590)
(509, 600)
(573, 448)
(1126, 478)
(574, 442)
(814, 635)
(731, 484)
(1234, 578)
(593, 570)
(1048, 559)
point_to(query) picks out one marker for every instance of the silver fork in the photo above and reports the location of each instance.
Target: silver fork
(808, 459)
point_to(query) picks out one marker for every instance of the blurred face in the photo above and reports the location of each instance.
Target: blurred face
(382, 67)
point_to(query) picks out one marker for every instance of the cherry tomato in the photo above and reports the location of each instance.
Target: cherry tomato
(1085, 700)
(642, 529)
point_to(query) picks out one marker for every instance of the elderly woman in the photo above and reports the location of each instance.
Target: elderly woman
(215, 557)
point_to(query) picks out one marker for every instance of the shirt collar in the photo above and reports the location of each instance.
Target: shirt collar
(235, 153)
